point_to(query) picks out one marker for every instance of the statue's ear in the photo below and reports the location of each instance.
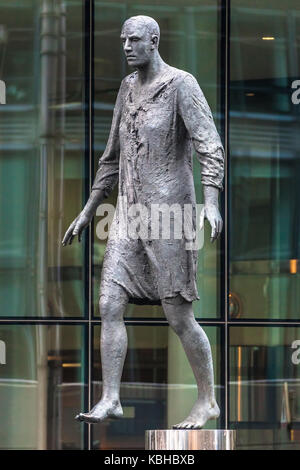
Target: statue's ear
(154, 40)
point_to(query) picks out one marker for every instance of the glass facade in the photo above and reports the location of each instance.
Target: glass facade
(42, 386)
(264, 176)
(264, 386)
(62, 63)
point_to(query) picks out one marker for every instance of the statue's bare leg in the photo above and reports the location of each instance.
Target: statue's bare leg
(180, 316)
(113, 352)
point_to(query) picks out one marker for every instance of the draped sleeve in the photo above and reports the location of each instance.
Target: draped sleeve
(108, 166)
(198, 120)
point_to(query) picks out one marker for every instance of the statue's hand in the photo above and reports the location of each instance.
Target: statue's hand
(212, 214)
(76, 228)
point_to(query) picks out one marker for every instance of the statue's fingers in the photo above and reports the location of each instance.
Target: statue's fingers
(80, 234)
(71, 239)
(214, 231)
(73, 234)
(64, 240)
(67, 235)
(218, 228)
(76, 230)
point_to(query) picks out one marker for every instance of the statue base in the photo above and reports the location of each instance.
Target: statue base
(190, 439)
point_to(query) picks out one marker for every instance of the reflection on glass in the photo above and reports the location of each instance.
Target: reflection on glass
(190, 40)
(264, 160)
(158, 387)
(265, 386)
(42, 387)
(41, 157)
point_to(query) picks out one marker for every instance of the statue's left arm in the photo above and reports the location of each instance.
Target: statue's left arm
(105, 179)
(198, 120)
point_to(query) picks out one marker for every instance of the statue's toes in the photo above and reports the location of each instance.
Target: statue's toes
(176, 426)
(79, 417)
(181, 425)
(197, 425)
(87, 418)
(189, 425)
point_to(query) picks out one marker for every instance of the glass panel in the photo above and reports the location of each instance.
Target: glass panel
(264, 159)
(158, 387)
(42, 386)
(265, 387)
(190, 37)
(41, 157)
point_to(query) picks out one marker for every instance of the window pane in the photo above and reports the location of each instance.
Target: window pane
(158, 387)
(265, 386)
(41, 157)
(42, 386)
(190, 38)
(264, 160)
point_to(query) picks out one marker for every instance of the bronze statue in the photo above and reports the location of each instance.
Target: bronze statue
(159, 115)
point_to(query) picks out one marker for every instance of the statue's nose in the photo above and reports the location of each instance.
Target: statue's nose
(127, 46)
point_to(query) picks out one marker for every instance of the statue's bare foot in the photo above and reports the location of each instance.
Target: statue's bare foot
(103, 410)
(201, 412)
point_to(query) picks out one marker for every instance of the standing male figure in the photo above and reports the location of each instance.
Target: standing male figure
(159, 113)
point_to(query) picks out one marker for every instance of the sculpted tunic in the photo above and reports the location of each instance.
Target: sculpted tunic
(149, 151)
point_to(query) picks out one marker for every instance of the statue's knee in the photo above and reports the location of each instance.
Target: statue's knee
(179, 313)
(107, 306)
(112, 308)
(178, 325)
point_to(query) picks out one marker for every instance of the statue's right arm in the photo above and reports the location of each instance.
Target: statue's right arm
(106, 177)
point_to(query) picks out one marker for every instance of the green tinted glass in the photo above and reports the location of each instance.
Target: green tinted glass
(264, 160)
(41, 157)
(265, 386)
(42, 386)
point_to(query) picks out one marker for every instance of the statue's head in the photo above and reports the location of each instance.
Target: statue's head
(140, 37)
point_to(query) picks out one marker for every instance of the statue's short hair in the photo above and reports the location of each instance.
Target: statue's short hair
(150, 24)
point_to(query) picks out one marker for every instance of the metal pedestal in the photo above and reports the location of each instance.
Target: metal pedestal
(193, 439)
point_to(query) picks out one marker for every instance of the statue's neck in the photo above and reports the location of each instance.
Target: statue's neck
(152, 70)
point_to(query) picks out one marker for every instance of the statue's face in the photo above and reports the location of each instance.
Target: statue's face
(138, 44)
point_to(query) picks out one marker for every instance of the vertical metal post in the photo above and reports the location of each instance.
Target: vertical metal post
(226, 211)
(48, 67)
(89, 109)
